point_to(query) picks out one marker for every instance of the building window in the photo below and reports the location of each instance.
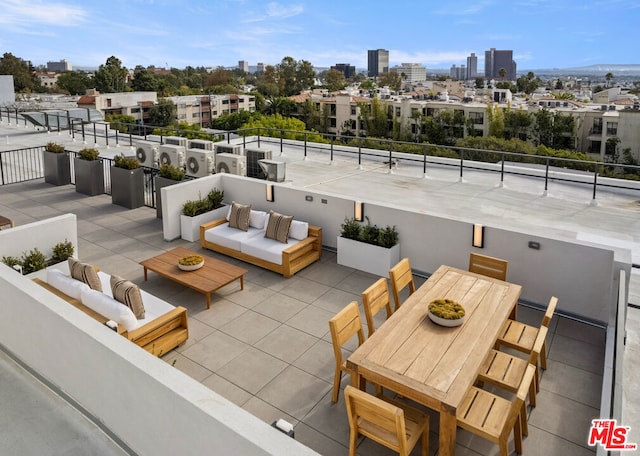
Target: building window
(182, 116)
(597, 126)
(332, 122)
(108, 102)
(353, 110)
(612, 128)
(195, 114)
(477, 117)
(225, 102)
(397, 111)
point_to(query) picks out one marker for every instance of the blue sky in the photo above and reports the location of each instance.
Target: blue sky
(173, 33)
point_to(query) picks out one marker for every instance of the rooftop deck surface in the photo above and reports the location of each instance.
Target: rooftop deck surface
(268, 349)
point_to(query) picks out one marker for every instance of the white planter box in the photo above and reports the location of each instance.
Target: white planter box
(190, 226)
(367, 257)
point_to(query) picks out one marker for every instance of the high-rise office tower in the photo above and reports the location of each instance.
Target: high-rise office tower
(378, 62)
(243, 65)
(495, 60)
(348, 70)
(472, 66)
(260, 67)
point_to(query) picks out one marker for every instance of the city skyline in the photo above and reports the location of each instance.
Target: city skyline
(173, 33)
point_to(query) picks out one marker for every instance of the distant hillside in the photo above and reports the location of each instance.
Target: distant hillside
(598, 69)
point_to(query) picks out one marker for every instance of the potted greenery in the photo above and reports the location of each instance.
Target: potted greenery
(89, 173)
(167, 175)
(33, 261)
(367, 247)
(202, 210)
(127, 182)
(55, 161)
(62, 251)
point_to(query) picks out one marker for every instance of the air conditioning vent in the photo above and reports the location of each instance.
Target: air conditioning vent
(253, 167)
(147, 153)
(201, 144)
(231, 163)
(176, 141)
(274, 170)
(228, 149)
(169, 154)
(199, 163)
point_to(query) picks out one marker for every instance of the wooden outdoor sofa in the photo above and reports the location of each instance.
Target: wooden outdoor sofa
(253, 248)
(166, 328)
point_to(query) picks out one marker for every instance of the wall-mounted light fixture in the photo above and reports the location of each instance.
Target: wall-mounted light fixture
(478, 236)
(270, 192)
(358, 211)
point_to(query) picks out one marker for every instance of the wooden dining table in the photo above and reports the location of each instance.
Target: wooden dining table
(431, 364)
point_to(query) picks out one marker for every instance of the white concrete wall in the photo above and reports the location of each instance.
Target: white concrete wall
(579, 274)
(151, 406)
(7, 91)
(43, 234)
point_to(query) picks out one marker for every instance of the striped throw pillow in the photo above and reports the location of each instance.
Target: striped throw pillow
(128, 294)
(278, 227)
(85, 273)
(239, 217)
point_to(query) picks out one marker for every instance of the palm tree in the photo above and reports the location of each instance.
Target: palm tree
(502, 72)
(608, 77)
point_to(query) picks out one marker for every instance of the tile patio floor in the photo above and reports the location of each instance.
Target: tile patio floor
(268, 349)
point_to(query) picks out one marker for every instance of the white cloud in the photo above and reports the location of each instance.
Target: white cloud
(277, 10)
(21, 13)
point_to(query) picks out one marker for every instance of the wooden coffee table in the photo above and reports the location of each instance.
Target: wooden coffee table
(214, 275)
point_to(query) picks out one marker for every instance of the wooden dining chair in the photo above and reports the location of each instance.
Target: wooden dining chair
(374, 299)
(493, 417)
(522, 337)
(390, 423)
(343, 326)
(506, 371)
(488, 266)
(400, 277)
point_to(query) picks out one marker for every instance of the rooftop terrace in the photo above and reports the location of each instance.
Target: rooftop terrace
(267, 348)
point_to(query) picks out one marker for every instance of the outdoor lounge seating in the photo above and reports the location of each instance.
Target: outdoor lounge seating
(163, 328)
(301, 246)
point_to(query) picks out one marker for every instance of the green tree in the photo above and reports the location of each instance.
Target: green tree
(111, 76)
(144, 81)
(74, 82)
(375, 116)
(280, 105)
(528, 84)
(24, 76)
(162, 114)
(608, 77)
(367, 84)
(479, 83)
(502, 72)
(496, 120)
(516, 123)
(293, 77)
(391, 79)
(334, 80)
(233, 121)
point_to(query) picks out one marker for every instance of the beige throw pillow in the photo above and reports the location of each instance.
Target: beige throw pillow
(278, 227)
(85, 273)
(239, 217)
(128, 294)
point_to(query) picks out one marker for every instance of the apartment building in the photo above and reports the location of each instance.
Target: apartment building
(472, 66)
(59, 67)
(199, 110)
(411, 72)
(136, 104)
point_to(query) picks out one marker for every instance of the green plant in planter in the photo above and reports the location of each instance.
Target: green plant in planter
(120, 161)
(11, 261)
(370, 233)
(216, 196)
(88, 154)
(55, 148)
(62, 251)
(196, 207)
(171, 172)
(33, 261)
(388, 237)
(350, 229)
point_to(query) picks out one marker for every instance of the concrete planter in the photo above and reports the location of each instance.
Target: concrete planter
(190, 226)
(57, 169)
(89, 175)
(161, 182)
(127, 187)
(367, 257)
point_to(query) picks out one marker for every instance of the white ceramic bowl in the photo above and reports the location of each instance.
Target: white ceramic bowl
(444, 321)
(191, 267)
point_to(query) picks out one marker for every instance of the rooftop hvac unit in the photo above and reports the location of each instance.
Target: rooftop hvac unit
(253, 167)
(201, 144)
(147, 153)
(200, 163)
(170, 154)
(228, 149)
(273, 169)
(176, 141)
(231, 163)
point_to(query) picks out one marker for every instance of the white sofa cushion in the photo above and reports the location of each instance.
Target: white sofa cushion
(258, 219)
(110, 308)
(264, 248)
(68, 285)
(231, 238)
(299, 230)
